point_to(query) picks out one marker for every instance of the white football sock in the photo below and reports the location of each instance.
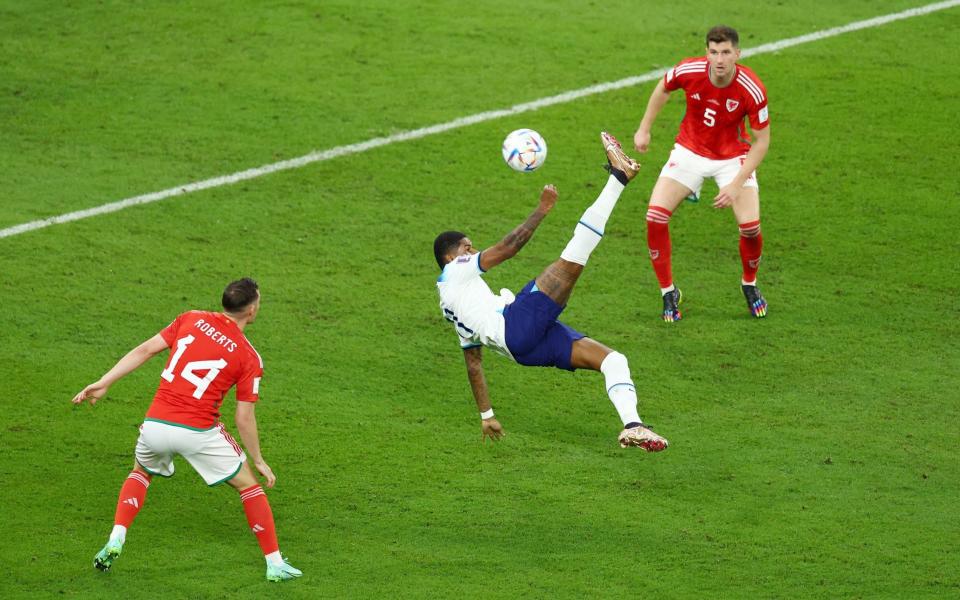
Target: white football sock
(119, 534)
(274, 558)
(620, 387)
(589, 231)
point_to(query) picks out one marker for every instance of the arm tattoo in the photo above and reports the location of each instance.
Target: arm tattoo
(518, 238)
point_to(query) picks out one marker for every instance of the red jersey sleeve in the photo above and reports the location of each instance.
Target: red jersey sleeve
(674, 78)
(756, 94)
(248, 387)
(169, 333)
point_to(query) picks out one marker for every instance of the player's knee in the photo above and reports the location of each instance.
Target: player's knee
(615, 363)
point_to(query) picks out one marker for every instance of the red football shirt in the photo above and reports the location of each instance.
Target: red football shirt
(209, 355)
(713, 125)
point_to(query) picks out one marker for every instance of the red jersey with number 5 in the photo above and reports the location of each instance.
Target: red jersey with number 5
(713, 125)
(208, 355)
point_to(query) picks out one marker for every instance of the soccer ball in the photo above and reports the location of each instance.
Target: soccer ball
(524, 150)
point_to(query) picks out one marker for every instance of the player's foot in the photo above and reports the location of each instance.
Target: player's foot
(109, 553)
(619, 164)
(755, 300)
(282, 571)
(671, 305)
(642, 436)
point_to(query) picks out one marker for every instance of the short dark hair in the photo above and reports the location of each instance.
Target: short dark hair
(240, 294)
(722, 33)
(444, 244)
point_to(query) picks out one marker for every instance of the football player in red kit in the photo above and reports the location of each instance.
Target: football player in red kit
(713, 142)
(209, 355)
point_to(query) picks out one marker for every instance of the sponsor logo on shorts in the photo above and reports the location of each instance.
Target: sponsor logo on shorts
(732, 105)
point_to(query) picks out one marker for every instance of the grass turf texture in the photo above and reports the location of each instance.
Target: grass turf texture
(812, 453)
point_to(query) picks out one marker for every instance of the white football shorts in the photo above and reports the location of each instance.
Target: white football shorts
(213, 453)
(690, 169)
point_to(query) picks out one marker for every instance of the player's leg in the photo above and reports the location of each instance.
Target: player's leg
(746, 209)
(151, 458)
(588, 353)
(667, 195)
(260, 518)
(558, 279)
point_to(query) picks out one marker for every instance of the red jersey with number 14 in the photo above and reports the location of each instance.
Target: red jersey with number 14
(713, 125)
(208, 355)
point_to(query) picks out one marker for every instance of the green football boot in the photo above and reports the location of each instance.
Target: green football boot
(104, 559)
(282, 571)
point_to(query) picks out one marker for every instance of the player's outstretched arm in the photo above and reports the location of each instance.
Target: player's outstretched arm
(246, 420)
(658, 99)
(125, 365)
(517, 239)
(478, 383)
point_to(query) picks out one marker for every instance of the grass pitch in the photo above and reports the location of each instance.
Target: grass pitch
(813, 454)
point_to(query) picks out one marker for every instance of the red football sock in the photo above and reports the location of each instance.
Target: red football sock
(751, 247)
(260, 518)
(658, 241)
(133, 494)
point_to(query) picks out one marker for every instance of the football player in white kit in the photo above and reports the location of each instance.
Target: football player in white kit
(525, 327)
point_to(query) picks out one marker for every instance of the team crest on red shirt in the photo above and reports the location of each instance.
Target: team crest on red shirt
(732, 105)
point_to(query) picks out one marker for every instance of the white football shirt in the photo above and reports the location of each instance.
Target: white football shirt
(467, 301)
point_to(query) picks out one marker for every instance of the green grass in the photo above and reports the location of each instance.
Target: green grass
(813, 454)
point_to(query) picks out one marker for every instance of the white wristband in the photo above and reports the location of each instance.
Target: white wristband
(487, 414)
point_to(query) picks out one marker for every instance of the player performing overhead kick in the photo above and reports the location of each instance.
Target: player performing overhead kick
(209, 355)
(713, 142)
(525, 328)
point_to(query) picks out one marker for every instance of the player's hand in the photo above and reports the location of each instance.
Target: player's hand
(641, 140)
(491, 428)
(92, 392)
(727, 195)
(548, 197)
(267, 472)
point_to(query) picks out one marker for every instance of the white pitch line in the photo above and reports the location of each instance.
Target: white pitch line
(322, 155)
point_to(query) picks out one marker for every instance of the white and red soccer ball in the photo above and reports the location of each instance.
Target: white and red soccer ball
(524, 150)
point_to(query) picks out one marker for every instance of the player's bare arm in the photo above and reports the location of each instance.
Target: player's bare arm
(478, 383)
(130, 362)
(658, 99)
(758, 150)
(515, 240)
(246, 420)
